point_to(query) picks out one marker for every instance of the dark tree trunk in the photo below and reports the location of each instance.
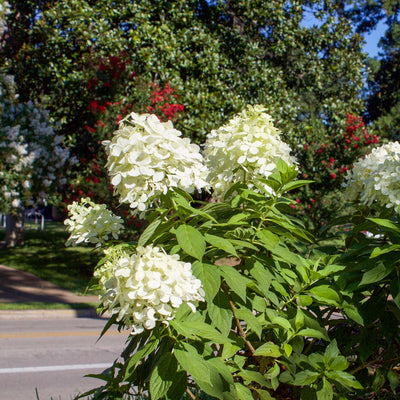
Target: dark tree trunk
(15, 229)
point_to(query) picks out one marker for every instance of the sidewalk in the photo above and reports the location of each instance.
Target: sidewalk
(21, 287)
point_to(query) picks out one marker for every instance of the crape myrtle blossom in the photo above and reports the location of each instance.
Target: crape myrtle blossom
(91, 223)
(32, 155)
(147, 158)
(376, 177)
(146, 286)
(246, 147)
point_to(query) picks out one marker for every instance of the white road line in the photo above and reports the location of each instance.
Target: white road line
(51, 368)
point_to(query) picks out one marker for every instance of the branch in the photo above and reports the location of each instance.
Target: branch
(239, 326)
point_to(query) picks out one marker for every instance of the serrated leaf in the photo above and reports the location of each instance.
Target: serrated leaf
(326, 392)
(374, 275)
(235, 280)
(282, 322)
(220, 313)
(260, 274)
(148, 233)
(268, 350)
(184, 204)
(344, 379)
(243, 392)
(305, 378)
(140, 354)
(309, 332)
(386, 224)
(163, 376)
(199, 329)
(269, 239)
(288, 349)
(326, 294)
(193, 363)
(191, 241)
(294, 185)
(221, 243)
(209, 277)
(251, 320)
(378, 251)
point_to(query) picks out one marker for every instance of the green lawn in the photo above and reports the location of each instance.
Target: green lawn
(45, 255)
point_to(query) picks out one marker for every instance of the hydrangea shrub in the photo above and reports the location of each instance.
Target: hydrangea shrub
(235, 299)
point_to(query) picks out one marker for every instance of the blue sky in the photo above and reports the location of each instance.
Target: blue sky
(371, 46)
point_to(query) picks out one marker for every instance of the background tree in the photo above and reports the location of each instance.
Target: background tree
(217, 56)
(383, 106)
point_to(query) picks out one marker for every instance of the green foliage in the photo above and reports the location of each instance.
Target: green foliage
(219, 56)
(282, 318)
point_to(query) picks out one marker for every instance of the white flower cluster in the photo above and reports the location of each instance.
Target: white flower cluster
(31, 153)
(376, 177)
(91, 223)
(146, 287)
(247, 147)
(147, 158)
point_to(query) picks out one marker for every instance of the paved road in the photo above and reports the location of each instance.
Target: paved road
(52, 356)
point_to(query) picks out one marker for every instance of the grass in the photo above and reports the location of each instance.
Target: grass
(45, 255)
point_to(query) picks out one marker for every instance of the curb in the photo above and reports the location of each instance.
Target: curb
(49, 314)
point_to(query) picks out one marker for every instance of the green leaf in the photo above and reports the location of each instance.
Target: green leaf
(282, 322)
(386, 224)
(273, 372)
(260, 274)
(264, 395)
(287, 256)
(309, 332)
(199, 329)
(305, 377)
(193, 363)
(235, 280)
(268, 350)
(339, 364)
(378, 251)
(237, 218)
(221, 243)
(331, 352)
(148, 233)
(393, 379)
(325, 294)
(294, 185)
(209, 277)
(197, 211)
(220, 313)
(375, 275)
(305, 300)
(243, 392)
(288, 349)
(299, 320)
(269, 239)
(163, 376)
(344, 379)
(326, 392)
(253, 376)
(353, 313)
(178, 387)
(191, 241)
(251, 320)
(140, 354)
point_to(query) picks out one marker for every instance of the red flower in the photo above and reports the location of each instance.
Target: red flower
(333, 175)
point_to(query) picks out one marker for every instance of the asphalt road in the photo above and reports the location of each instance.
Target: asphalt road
(52, 356)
